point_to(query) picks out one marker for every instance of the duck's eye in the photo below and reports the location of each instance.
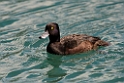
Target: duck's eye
(52, 28)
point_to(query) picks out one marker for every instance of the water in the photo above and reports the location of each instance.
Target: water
(23, 57)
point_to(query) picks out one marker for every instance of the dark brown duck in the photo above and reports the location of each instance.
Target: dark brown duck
(71, 44)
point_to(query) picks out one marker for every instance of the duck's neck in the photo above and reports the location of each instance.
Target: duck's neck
(54, 38)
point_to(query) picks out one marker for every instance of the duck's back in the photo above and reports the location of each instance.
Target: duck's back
(78, 38)
(77, 43)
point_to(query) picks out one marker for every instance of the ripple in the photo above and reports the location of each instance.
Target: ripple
(7, 22)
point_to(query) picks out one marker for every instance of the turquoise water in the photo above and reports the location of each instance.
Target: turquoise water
(23, 57)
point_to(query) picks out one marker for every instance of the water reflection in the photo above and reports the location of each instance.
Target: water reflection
(56, 73)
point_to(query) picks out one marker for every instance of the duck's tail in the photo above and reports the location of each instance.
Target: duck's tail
(100, 43)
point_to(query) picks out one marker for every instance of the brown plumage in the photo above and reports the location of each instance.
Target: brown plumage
(71, 44)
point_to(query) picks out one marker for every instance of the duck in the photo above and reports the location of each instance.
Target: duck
(70, 44)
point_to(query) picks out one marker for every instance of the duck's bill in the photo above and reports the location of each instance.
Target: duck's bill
(44, 35)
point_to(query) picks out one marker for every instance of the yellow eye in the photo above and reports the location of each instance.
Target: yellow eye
(52, 28)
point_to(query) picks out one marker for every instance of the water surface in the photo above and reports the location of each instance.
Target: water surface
(23, 57)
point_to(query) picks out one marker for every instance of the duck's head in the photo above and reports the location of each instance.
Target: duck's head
(51, 30)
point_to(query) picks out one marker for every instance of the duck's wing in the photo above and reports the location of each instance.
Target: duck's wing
(74, 40)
